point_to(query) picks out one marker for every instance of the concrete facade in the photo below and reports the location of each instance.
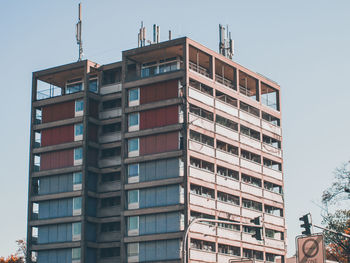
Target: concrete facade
(123, 156)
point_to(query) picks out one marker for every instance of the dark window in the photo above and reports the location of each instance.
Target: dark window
(110, 177)
(227, 123)
(228, 198)
(250, 156)
(252, 204)
(250, 109)
(111, 76)
(202, 164)
(199, 86)
(110, 227)
(251, 180)
(271, 119)
(106, 153)
(227, 147)
(226, 98)
(230, 250)
(250, 132)
(272, 141)
(199, 137)
(272, 164)
(111, 104)
(110, 202)
(114, 127)
(110, 252)
(203, 191)
(227, 172)
(201, 112)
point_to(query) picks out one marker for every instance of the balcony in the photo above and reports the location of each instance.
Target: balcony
(201, 255)
(251, 189)
(272, 150)
(224, 81)
(52, 92)
(227, 157)
(276, 220)
(202, 228)
(274, 243)
(248, 238)
(250, 213)
(108, 187)
(270, 127)
(202, 201)
(111, 88)
(109, 211)
(199, 69)
(229, 208)
(110, 137)
(229, 234)
(249, 118)
(201, 122)
(109, 236)
(249, 141)
(273, 196)
(200, 96)
(272, 173)
(110, 113)
(202, 148)
(226, 132)
(227, 182)
(251, 165)
(226, 108)
(227, 258)
(107, 162)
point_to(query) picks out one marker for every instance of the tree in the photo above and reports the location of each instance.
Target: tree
(338, 247)
(11, 259)
(19, 257)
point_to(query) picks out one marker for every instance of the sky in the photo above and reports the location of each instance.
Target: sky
(302, 45)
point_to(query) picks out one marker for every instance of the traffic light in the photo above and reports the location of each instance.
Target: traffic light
(257, 229)
(306, 224)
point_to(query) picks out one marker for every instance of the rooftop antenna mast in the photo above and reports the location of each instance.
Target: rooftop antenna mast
(78, 34)
(225, 42)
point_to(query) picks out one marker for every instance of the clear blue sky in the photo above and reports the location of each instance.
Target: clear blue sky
(303, 45)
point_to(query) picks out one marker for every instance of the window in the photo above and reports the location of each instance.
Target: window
(77, 180)
(133, 225)
(227, 147)
(230, 250)
(76, 253)
(250, 109)
(201, 112)
(273, 210)
(110, 177)
(108, 153)
(77, 205)
(271, 119)
(110, 227)
(109, 128)
(229, 226)
(251, 180)
(79, 107)
(272, 141)
(251, 204)
(272, 164)
(227, 123)
(93, 85)
(203, 191)
(78, 156)
(74, 85)
(78, 130)
(133, 170)
(111, 104)
(269, 96)
(227, 172)
(134, 97)
(248, 253)
(201, 215)
(133, 249)
(133, 199)
(202, 164)
(133, 147)
(133, 121)
(203, 245)
(250, 132)
(76, 229)
(273, 187)
(226, 98)
(201, 138)
(228, 198)
(200, 86)
(110, 252)
(251, 156)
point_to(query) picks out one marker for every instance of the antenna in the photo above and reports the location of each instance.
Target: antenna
(155, 34)
(78, 34)
(142, 36)
(226, 46)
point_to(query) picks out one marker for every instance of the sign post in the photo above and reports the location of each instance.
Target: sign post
(310, 249)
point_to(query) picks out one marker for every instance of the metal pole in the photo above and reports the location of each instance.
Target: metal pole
(330, 230)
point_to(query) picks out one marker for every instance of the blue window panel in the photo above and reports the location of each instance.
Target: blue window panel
(91, 206)
(53, 256)
(161, 250)
(54, 184)
(172, 249)
(161, 196)
(91, 232)
(79, 105)
(161, 223)
(63, 208)
(133, 170)
(150, 224)
(44, 186)
(78, 154)
(44, 209)
(173, 194)
(133, 94)
(43, 257)
(133, 119)
(173, 222)
(62, 256)
(43, 234)
(78, 129)
(91, 255)
(161, 171)
(133, 144)
(172, 168)
(53, 208)
(53, 235)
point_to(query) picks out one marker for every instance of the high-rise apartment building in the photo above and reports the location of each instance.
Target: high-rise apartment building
(123, 156)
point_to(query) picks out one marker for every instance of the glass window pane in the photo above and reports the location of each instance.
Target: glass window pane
(133, 249)
(79, 105)
(77, 178)
(133, 170)
(133, 94)
(133, 119)
(78, 129)
(93, 86)
(133, 144)
(76, 203)
(78, 153)
(133, 196)
(76, 253)
(75, 87)
(133, 222)
(77, 228)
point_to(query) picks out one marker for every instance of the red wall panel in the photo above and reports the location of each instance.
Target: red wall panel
(58, 111)
(93, 108)
(159, 117)
(57, 135)
(159, 91)
(159, 143)
(58, 159)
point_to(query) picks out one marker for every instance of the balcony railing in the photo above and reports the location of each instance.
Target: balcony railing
(199, 69)
(225, 81)
(48, 93)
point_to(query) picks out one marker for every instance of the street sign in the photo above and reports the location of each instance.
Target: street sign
(310, 249)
